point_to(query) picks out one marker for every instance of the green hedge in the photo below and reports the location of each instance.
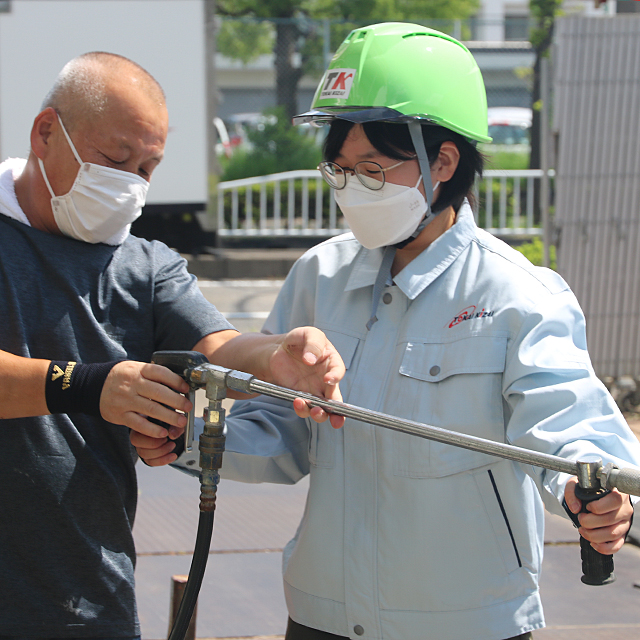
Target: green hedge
(534, 252)
(273, 147)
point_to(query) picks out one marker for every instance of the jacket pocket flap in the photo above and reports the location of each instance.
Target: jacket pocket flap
(435, 361)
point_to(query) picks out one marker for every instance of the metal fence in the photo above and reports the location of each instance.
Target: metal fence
(299, 203)
(597, 101)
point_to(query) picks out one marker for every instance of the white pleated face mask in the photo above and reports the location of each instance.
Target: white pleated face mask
(102, 203)
(384, 217)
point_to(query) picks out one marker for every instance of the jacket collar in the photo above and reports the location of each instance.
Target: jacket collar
(424, 269)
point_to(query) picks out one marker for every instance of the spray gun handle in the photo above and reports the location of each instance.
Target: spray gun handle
(180, 362)
(597, 568)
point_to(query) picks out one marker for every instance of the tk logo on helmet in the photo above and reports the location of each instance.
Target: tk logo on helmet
(337, 83)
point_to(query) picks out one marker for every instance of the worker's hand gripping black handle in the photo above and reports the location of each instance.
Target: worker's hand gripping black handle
(597, 568)
(180, 362)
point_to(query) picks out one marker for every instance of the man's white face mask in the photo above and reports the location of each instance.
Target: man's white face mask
(102, 203)
(384, 217)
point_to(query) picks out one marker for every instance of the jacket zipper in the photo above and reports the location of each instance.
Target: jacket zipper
(504, 515)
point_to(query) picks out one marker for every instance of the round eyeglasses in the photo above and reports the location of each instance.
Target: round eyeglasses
(369, 173)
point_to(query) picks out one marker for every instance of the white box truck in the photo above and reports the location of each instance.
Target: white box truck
(166, 37)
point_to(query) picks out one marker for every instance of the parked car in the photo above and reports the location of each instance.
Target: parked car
(510, 125)
(233, 131)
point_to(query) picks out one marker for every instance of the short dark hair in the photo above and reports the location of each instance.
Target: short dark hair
(394, 141)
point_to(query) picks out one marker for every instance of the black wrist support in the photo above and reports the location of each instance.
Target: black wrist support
(75, 388)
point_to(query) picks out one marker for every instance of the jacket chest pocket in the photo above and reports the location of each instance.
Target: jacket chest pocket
(455, 385)
(323, 438)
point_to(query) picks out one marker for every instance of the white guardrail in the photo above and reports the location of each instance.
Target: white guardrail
(299, 203)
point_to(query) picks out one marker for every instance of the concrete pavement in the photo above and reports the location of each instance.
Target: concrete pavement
(241, 596)
(243, 263)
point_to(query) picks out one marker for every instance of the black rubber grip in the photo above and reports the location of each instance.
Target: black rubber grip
(178, 361)
(597, 568)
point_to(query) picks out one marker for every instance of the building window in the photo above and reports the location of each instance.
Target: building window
(516, 27)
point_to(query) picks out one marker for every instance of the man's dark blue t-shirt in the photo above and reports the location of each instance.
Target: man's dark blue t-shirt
(67, 482)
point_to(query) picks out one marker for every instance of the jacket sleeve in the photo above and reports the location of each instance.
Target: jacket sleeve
(554, 401)
(266, 440)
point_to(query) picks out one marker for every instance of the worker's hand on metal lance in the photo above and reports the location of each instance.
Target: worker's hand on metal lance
(318, 414)
(305, 360)
(608, 520)
(136, 391)
(155, 452)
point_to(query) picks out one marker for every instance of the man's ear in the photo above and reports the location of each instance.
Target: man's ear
(447, 161)
(43, 126)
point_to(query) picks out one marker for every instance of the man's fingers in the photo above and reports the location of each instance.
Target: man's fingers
(310, 357)
(336, 371)
(318, 414)
(592, 521)
(141, 424)
(613, 508)
(570, 496)
(154, 451)
(158, 411)
(160, 394)
(606, 540)
(315, 348)
(607, 548)
(332, 392)
(146, 390)
(605, 533)
(148, 443)
(613, 501)
(303, 410)
(128, 372)
(159, 457)
(607, 522)
(164, 376)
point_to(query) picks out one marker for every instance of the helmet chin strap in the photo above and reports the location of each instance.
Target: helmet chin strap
(415, 130)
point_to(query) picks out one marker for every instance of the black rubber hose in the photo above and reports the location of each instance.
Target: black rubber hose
(196, 574)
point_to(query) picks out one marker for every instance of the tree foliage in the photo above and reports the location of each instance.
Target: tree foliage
(245, 41)
(275, 146)
(544, 13)
(296, 26)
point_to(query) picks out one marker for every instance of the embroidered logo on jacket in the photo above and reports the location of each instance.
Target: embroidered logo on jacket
(470, 313)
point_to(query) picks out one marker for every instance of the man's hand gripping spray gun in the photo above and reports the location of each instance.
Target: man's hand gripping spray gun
(595, 480)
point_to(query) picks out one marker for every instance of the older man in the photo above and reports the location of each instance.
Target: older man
(76, 289)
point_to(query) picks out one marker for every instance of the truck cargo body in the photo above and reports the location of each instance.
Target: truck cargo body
(166, 37)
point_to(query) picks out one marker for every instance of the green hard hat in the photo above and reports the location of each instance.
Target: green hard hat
(399, 72)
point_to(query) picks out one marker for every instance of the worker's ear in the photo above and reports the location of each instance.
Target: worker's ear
(446, 163)
(43, 126)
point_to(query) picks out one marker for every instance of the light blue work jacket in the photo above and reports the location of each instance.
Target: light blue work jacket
(403, 538)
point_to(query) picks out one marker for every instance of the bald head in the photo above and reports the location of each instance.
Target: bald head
(115, 115)
(88, 86)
